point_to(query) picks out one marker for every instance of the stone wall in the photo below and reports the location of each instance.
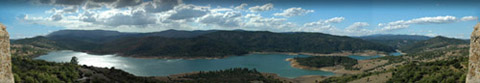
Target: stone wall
(473, 75)
(6, 75)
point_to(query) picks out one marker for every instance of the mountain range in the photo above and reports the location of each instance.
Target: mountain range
(210, 43)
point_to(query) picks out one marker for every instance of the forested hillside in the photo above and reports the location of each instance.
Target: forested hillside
(432, 44)
(396, 41)
(203, 43)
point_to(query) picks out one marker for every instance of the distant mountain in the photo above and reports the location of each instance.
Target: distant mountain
(396, 41)
(436, 42)
(178, 33)
(394, 37)
(99, 36)
(173, 43)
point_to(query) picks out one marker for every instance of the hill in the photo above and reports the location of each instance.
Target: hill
(175, 44)
(396, 41)
(225, 43)
(433, 43)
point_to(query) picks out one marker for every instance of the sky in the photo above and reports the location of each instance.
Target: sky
(450, 18)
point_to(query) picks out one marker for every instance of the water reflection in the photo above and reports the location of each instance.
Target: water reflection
(272, 63)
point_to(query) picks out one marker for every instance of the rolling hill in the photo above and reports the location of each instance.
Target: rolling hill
(433, 43)
(396, 41)
(173, 43)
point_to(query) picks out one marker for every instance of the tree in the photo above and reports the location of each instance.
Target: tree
(74, 60)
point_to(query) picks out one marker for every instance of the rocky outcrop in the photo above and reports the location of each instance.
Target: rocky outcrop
(6, 75)
(473, 75)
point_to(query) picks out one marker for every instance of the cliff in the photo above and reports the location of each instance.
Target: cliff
(6, 75)
(473, 75)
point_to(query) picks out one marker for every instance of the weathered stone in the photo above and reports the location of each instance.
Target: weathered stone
(6, 75)
(473, 75)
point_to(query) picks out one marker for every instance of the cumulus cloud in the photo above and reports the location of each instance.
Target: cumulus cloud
(469, 18)
(295, 11)
(156, 15)
(188, 11)
(357, 26)
(228, 19)
(161, 5)
(257, 22)
(424, 20)
(88, 17)
(325, 22)
(135, 18)
(68, 10)
(126, 3)
(92, 4)
(56, 17)
(69, 2)
(241, 6)
(266, 7)
(103, 1)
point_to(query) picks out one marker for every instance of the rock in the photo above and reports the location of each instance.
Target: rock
(6, 75)
(473, 75)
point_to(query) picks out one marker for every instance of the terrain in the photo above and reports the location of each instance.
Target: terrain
(201, 44)
(396, 41)
(28, 70)
(439, 53)
(442, 60)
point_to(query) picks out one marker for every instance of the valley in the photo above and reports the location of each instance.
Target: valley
(369, 63)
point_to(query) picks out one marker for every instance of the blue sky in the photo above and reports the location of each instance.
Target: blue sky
(451, 18)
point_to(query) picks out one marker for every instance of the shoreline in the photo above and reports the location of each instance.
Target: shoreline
(344, 53)
(334, 69)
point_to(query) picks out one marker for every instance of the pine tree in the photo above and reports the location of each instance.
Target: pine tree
(74, 60)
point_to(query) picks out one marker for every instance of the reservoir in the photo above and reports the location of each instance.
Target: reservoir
(271, 63)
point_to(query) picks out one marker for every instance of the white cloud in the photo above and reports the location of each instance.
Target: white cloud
(469, 18)
(228, 19)
(156, 15)
(335, 20)
(68, 2)
(56, 17)
(161, 5)
(241, 6)
(126, 3)
(357, 26)
(188, 11)
(325, 22)
(131, 18)
(401, 24)
(266, 7)
(295, 11)
(67, 10)
(257, 22)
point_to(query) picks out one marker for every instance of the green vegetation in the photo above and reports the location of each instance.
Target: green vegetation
(36, 71)
(224, 43)
(327, 61)
(28, 70)
(347, 78)
(446, 65)
(200, 44)
(444, 71)
(396, 41)
(74, 60)
(433, 43)
(233, 75)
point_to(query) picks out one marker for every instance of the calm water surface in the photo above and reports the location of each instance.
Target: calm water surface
(272, 63)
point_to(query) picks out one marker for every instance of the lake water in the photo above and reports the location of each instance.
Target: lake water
(271, 63)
